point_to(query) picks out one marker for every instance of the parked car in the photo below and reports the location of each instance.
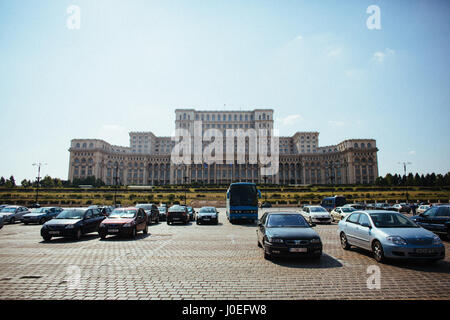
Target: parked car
(3, 205)
(207, 215)
(266, 205)
(316, 214)
(191, 213)
(72, 222)
(151, 210)
(339, 213)
(106, 210)
(177, 213)
(356, 206)
(389, 234)
(329, 203)
(422, 208)
(436, 219)
(287, 234)
(11, 214)
(41, 215)
(124, 222)
(382, 206)
(162, 213)
(402, 207)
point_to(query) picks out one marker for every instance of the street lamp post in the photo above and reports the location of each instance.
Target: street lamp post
(406, 179)
(38, 164)
(116, 184)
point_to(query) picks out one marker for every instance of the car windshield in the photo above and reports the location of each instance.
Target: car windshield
(391, 220)
(8, 209)
(286, 220)
(177, 209)
(71, 214)
(317, 209)
(123, 213)
(207, 210)
(162, 209)
(39, 210)
(347, 209)
(190, 209)
(144, 206)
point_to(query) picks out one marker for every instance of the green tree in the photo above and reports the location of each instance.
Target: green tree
(25, 183)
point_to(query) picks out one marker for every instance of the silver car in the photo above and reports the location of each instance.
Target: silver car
(11, 214)
(389, 234)
(316, 214)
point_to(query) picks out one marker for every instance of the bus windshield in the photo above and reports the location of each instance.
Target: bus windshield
(243, 195)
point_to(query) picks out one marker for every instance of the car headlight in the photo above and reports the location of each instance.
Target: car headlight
(436, 240)
(317, 240)
(129, 224)
(275, 240)
(70, 226)
(396, 240)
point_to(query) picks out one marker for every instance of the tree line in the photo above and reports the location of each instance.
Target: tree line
(428, 180)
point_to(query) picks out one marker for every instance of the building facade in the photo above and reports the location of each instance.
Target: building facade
(147, 161)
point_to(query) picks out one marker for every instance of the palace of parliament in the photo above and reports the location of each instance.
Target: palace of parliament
(147, 161)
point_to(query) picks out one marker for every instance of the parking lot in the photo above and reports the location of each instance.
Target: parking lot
(200, 262)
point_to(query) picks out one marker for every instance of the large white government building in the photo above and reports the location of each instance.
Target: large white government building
(147, 161)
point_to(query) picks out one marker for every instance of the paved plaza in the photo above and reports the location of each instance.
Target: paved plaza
(200, 262)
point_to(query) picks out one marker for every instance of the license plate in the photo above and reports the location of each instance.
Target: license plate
(206, 219)
(298, 249)
(176, 218)
(53, 232)
(425, 251)
(113, 230)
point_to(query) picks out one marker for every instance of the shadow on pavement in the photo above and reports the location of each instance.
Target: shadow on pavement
(325, 262)
(119, 238)
(85, 237)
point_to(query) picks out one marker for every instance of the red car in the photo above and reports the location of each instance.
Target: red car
(124, 222)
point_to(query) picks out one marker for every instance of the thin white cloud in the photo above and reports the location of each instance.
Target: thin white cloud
(380, 56)
(299, 37)
(412, 152)
(334, 52)
(290, 120)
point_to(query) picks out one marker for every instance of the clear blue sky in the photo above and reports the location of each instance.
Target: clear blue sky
(133, 62)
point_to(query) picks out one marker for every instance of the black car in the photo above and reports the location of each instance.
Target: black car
(162, 213)
(207, 215)
(435, 219)
(287, 234)
(177, 213)
(151, 210)
(73, 222)
(266, 205)
(41, 215)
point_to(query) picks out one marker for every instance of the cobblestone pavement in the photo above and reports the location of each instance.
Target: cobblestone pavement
(200, 262)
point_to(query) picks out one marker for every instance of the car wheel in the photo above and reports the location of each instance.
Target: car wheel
(344, 241)
(78, 235)
(145, 231)
(259, 244)
(266, 255)
(197, 222)
(26, 223)
(42, 221)
(133, 233)
(12, 220)
(157, 220)
(47, 237)
(378, 252)
(168, 222)
(102, 235)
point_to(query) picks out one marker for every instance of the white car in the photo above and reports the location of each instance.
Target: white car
(422, 208)
(316, 214)
(339, 213)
